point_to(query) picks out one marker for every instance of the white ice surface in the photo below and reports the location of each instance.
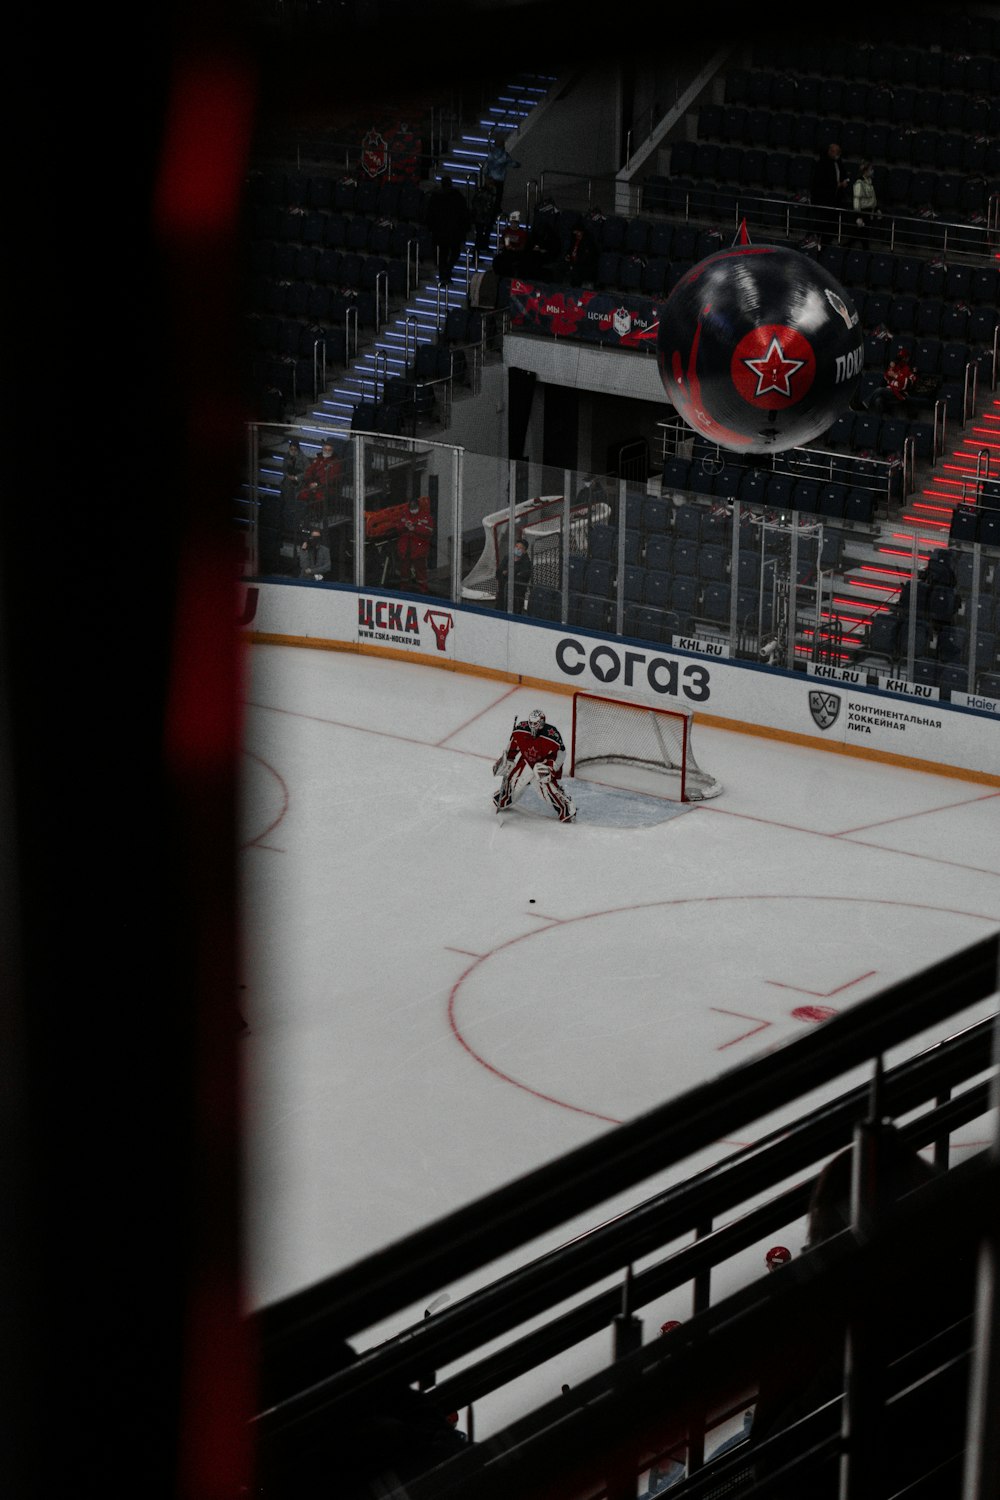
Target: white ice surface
(438, 1003)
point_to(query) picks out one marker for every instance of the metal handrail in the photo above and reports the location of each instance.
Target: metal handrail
(902, 231)
(381, 300)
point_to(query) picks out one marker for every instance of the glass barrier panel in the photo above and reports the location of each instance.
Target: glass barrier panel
(786, 563)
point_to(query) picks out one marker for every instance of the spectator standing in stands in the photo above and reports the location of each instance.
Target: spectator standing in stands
(582, 256)
(293, 471)
(292, 477)
(414, 542)
(320, 492)
(828, 188)
(498, 163)
(865, 204)
(542, 253)
(448, 220)
(522, 577)
(483, 216)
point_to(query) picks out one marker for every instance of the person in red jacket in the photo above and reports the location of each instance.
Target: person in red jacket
(894, 398)
(320, 492)
(416, 529)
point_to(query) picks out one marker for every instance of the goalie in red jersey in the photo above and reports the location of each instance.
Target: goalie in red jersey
(535, 753)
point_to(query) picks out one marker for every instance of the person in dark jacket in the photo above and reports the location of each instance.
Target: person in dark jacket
(582, 256)
(314, 556)
(448, 219)
(829, 188)
(483, 217)
(522, 578)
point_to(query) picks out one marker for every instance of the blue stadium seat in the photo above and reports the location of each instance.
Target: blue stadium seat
(860, 505)
(658, 589)
(589, 613)
(806, 495)
(684, 599)
(633, 580)
(883, 635)
(654, 515)
(601, 541)
(545, 603)
(643, 623)
(676, 474)
(687, 522)
(715, 602)
(685, 560)
(711, 562)
(832, 501)
(659, 552)
(952, 643)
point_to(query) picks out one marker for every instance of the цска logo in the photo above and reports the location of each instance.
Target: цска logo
(824, 708)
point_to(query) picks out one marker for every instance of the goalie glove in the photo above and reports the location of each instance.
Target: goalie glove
(543, 772)
(499, 763)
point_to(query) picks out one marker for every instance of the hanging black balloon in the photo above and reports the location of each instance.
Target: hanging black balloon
(759, 348)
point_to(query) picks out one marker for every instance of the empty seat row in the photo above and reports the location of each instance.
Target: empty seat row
(367, 195)
(912, 276)
(899, 186)
(975, 523)
(865, 431)
(299, 299)
(841, 500)
(935, 51)
(949, 148)
(930, 317)
(298, 338)
(945, 643)
(342, 268)
(339, 231)
(957, 106)
(669, 605)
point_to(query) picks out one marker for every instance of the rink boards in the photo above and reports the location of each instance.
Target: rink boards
(851, 712)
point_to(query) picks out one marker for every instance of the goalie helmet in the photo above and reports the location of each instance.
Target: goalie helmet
(536, 721)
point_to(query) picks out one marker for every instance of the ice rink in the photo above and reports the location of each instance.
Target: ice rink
(438, 1003)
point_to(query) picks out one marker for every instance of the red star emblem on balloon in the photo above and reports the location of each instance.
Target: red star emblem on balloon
(773, 366)
(774, 372)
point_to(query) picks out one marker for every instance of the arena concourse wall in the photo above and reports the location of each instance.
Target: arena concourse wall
(842, 713)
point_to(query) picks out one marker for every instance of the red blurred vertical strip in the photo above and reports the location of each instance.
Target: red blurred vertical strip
(197, 208)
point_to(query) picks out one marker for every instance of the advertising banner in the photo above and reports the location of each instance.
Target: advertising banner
(627, 322)
(835, 712)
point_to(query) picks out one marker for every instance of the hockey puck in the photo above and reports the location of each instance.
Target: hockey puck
(531, 900)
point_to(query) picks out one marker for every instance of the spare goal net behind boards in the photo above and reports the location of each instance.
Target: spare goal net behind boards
(614, 732)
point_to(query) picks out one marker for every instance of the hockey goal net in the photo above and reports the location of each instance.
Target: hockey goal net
(540, 523)
(654, 742)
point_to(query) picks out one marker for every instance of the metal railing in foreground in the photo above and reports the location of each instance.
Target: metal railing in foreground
(638, 1405)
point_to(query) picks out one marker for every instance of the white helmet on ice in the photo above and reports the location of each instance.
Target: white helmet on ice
(536, 721)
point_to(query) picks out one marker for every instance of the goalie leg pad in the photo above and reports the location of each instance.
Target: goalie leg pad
(552, 792)
(510, 788)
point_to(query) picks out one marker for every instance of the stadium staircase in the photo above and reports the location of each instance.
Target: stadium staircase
(876, 567)
(392, 353)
